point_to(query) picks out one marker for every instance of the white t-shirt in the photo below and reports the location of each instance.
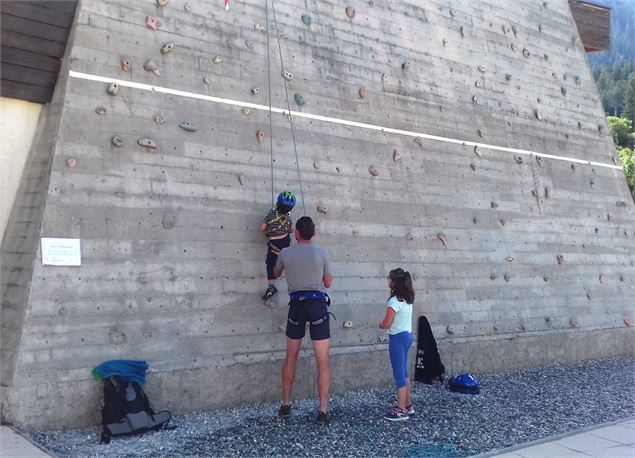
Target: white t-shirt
(403, 317)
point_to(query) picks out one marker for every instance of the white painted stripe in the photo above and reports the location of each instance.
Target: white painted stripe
(345, 122)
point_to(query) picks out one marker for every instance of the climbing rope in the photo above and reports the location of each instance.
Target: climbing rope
(286, 91)
(270, 111)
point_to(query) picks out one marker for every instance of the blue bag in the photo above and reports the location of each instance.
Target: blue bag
(464, 383)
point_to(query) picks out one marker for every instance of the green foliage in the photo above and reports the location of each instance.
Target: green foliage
(612, 83)
(629, 99)
(627, 158)
(621, 131)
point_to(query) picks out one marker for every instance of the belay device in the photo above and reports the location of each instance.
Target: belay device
(428, 365)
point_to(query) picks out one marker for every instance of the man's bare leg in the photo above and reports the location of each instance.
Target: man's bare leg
(321, 348)
(288, 369)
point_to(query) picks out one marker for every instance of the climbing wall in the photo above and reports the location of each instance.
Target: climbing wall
(462, 140)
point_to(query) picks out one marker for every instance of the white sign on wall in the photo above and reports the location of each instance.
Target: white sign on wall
(61, 252)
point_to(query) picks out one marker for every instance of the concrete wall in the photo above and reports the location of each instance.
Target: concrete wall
(18, 120)
(173, 264)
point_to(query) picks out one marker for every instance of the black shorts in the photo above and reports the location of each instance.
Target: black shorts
(313, 311)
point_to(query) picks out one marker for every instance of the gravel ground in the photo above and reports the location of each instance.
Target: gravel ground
(513, 407)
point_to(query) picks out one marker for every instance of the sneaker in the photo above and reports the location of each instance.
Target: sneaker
(271, 290)
(411, 410)
(284, 411)
(322, 418)
(396, 414)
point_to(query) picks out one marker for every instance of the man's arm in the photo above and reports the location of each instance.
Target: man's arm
(327, 279)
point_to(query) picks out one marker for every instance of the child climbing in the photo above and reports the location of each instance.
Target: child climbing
(398, 321)
(277, 226)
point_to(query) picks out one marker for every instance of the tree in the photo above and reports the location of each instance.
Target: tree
(621, 131)
(627, 158)
(629, 100)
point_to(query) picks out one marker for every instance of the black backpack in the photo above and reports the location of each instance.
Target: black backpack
(127, 410)
(428, 365)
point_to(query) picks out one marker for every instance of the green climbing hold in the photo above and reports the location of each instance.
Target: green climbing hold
(299, 99)
(306, 19)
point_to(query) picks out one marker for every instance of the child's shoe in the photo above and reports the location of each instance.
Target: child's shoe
(271, 290)
(411, 410)
(396, 414)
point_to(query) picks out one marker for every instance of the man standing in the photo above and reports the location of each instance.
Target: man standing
(308, 273)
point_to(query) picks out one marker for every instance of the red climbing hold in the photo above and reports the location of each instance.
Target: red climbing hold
(373, 171)
(151, 66)
(147, 143)
(350, 12)
(151, 22)
(126, 64)
(560, 259)
(405, 66)
(410, 236)
(100, 110)
(441, 236)
(260, 135)
(628, 322)
(396, 156)
(71, 163)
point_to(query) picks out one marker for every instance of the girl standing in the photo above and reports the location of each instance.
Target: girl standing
(398, 321)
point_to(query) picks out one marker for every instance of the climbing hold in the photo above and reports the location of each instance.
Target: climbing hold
(162, 2)
(628, 321)
(473, 166)
(381, 339)
(373, 171)
(580, 125)
(116, 141)
(187, 126)
(259, 28)
(218, 59)
(449, 329)
(481, 68)
(405, 66)
(168, 221)
(444, 42)
(255, 90)
(396, 156)
(495, 328)
(608, 217)
(146, 142)
(316, 165)
(100, 110)
(350, 12)
(546, 56)
(113, 89)
(547, 193)
(474, 98)
(509, 259)
(299, 99)
(287, 75)
(187, 7)
(207, 80)
(515, 30)
(538, 115)
(245, 111)
(410, 236)
(282, 33)
(71, 163)
(525, 52)
(418, 141)
(306, 19)
(151, 22)
(384, 77)
(481, 133)
(560, 259)
(475, 220)
(507, 277)
(540, 161)
(621, 203)
(477, 84)
(363, 93)
(151, 66)
(545, 278)
(522, 327)
(249, 44)
(577, 80)
(573, 322)
(463, 33)
(493, 205)
(158, 120)
(452, 12)
(554, 75)
(126, 64)
(502, 222)
(260, 135)
(242, 179)
(493, 277)
(477, 151)
(444, 240)
(540, 27)
(321, 208)
(513, 47)
(602, 279)
(508, 76)
(348, 324)
(167, 48)
(518, 159)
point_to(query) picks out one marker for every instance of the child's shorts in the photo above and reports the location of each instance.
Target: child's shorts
(273, 250)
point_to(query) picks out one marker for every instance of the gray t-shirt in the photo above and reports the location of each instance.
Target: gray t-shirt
(305, 265)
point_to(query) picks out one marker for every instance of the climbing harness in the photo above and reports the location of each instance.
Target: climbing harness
(288, 112)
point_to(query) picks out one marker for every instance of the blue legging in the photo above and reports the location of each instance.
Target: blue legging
(398, 347)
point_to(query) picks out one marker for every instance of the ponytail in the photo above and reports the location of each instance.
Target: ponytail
(402, 285)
